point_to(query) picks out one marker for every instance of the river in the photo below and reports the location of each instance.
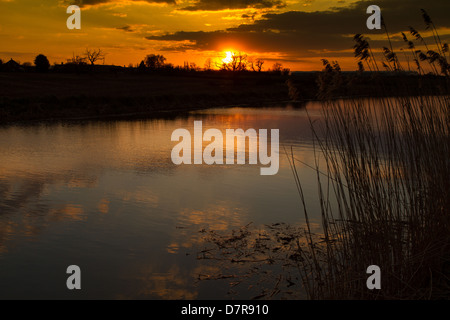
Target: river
(106, 196)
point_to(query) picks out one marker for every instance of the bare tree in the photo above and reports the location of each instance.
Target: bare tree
(208, 64)
(259, 64)
(238, 62)
(77, 60)
(94, 55)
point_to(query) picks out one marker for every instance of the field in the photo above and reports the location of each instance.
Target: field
(32, 96)
(49, 96)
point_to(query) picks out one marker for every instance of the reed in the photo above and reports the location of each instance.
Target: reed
(385, 199)
(383, 176)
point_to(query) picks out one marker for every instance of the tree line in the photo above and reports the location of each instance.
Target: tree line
(238, 63)
(152, 62)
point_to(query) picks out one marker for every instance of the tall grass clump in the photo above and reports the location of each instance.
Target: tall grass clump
(384, 198)
(383, 172)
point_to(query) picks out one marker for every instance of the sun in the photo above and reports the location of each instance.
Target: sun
(228, 58)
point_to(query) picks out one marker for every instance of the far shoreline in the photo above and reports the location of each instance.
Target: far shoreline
(50, 97)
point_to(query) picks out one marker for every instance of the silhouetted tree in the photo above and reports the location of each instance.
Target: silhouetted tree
(41, 62)
(77, 60)
(154, 61)
(238, 62)
(277, 67)
(256, 65)
(94, 55)
(259, 64)
(141, 66)
(208, 64)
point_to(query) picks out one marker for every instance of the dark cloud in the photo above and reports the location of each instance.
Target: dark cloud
(82, 3)
(201, 5)
(311, 32)
(214, 5)
(126, 28)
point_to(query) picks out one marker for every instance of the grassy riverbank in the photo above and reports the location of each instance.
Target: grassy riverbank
(387, 171)
(33, 96)
(54, 96)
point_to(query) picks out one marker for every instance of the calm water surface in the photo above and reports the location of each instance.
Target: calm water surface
(106, 196)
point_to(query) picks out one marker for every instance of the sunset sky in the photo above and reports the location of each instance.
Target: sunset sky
(295, 33)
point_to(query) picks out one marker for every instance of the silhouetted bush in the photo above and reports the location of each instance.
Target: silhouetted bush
(42, 64)
(154, 62)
